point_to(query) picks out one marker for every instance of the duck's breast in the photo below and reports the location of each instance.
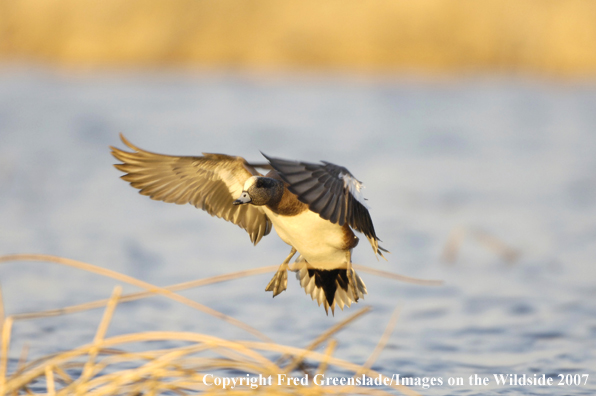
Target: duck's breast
(320, 242)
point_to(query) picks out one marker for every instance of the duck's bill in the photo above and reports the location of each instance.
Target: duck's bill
(244, 199)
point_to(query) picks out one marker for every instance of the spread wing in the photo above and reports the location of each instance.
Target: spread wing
(210, 182)
(332, 192)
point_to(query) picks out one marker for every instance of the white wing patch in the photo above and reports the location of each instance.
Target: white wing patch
(249, 182)
(355, 188)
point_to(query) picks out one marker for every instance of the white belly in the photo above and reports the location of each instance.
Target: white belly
(319, 241)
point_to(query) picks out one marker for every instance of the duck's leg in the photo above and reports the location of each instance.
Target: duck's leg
(352, 276)
(279, 282)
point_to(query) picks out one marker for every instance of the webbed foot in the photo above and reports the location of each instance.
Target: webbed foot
(279, 282)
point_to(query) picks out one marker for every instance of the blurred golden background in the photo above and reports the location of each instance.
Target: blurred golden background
(547, 37)
(486, 163)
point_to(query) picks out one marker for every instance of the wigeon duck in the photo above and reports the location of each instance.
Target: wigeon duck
(313, 207)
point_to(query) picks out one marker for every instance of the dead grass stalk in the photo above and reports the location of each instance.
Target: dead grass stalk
(108, 366)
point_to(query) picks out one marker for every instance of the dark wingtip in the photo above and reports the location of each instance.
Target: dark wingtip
(381, 250)
(265, 155)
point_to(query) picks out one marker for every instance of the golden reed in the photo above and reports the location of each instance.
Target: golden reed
(129, 364)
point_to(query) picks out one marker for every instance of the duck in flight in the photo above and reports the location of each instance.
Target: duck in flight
(314, 208)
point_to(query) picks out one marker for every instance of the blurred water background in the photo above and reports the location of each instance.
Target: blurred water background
(509, 151)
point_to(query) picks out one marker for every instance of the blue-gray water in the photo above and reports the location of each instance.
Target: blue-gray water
(512, 157)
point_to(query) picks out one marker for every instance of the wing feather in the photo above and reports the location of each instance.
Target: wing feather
(210, 182)
(332, 192)
(329, 208)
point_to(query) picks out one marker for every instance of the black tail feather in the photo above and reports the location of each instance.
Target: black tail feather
(331, 287)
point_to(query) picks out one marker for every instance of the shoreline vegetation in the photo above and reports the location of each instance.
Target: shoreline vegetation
(540, 37)
(111, 365)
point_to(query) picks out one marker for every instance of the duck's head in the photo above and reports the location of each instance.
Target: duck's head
(259, 191)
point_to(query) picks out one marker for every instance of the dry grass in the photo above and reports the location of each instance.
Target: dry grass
(107, 366)
(434, 36)
(490, 242)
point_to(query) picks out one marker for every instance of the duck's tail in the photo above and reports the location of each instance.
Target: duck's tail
(330, 287)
